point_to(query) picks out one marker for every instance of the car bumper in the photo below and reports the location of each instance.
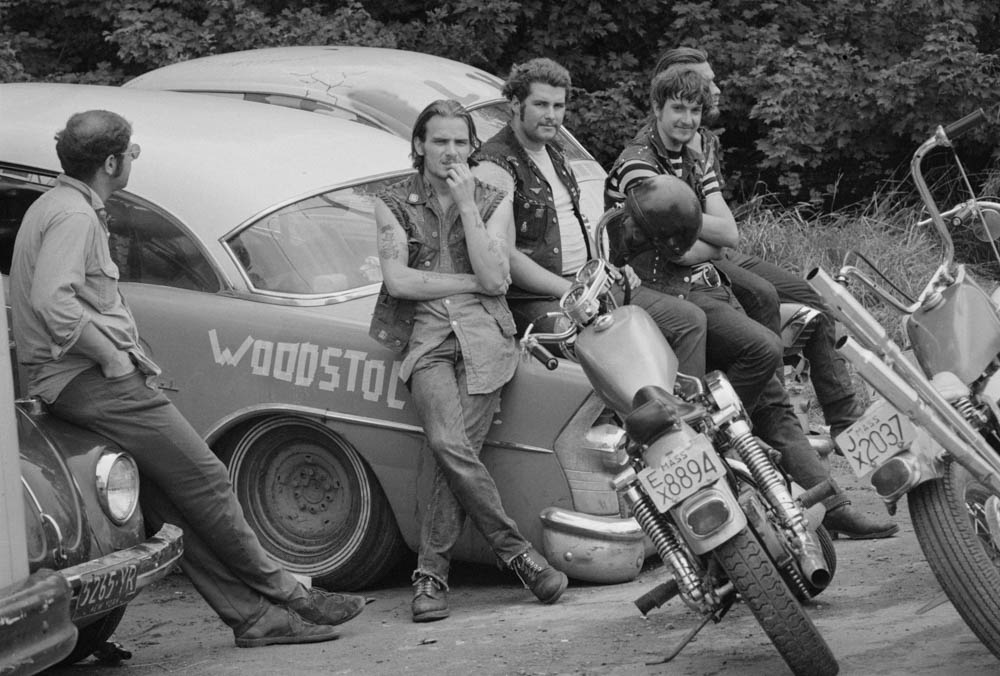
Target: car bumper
(35, 627)
(602, 549)
(111, 581)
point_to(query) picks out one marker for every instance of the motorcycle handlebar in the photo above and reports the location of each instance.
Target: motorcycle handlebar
(543, 355)
(970, 121)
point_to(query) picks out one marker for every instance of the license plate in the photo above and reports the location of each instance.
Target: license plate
(681, 473)
(876, 436)
(105, 590)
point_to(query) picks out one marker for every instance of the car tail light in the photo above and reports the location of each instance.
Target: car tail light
(117, 479)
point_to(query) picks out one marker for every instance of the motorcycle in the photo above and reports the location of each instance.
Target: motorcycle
(727, 523)
(934, 436)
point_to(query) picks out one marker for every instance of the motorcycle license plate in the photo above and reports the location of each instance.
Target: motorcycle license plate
(681, 473)
(106, 589)
(876, 436)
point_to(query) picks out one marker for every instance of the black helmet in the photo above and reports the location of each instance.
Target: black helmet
(666, 211)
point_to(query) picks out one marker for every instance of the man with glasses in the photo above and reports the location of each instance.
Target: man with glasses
(79, 343)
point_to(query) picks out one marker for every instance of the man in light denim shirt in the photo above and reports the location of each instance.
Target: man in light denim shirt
(80, 346)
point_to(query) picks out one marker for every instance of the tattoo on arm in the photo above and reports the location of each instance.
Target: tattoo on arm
(387, 247)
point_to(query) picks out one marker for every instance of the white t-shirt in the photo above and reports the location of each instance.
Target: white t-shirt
(574, 248)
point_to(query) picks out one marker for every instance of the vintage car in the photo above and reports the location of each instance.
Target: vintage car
(383, 88)
(81, 496)
(245, 245)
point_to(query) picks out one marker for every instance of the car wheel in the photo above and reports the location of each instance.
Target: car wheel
(94, 635)
(315, 504)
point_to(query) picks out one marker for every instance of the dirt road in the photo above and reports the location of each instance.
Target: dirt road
(869, 616)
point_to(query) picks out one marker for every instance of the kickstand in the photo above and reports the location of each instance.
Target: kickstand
(684, 641)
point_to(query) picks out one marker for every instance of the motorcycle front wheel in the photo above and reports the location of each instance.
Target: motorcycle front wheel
(949, 519)
(776, 608)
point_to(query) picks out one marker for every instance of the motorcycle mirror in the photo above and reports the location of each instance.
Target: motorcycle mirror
(989, 228)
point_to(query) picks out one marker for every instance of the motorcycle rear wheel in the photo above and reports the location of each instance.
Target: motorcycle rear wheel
(776, 608)
(949, 520)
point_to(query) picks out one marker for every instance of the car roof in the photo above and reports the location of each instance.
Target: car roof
(390, 86)
(212, 162)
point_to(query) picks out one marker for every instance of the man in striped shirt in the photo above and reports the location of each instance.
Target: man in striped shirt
(746, 350)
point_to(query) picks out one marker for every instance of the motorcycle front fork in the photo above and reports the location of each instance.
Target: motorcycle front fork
(687, 573)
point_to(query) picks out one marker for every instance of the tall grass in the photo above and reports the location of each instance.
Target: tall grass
(885, 231)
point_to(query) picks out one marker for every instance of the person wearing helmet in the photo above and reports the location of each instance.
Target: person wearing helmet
(658, 219)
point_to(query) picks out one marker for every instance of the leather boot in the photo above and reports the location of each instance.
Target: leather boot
(845, 521)
(329, 608)
(430, 601)
(279, 625)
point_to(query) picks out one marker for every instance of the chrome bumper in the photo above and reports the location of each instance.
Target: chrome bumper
(152, 560)
(602, 549)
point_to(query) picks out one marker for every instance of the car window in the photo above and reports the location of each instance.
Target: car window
(319, 246)
(146, 245)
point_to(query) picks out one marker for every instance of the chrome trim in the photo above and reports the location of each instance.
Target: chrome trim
(224, 424)
(102, 473)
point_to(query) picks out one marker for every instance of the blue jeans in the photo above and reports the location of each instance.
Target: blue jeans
(759, 288)
(183, 483)
(681, 323)
(456, 424)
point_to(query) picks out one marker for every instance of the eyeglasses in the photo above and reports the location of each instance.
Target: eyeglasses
(132, 151)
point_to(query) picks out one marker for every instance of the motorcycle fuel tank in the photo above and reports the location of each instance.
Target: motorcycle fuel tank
(960, 334)
(623, 351)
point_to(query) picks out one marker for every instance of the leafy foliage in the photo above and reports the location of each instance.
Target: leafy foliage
(821, 100)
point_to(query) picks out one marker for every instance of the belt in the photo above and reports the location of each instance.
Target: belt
(705, 274)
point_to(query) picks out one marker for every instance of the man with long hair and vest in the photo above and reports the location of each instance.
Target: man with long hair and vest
(442, 245)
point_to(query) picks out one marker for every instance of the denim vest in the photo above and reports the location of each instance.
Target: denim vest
(392, 321)
(535, 219)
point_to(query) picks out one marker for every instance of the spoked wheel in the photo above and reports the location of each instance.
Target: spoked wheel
(772, 602)
(950, 519)
(314, 503)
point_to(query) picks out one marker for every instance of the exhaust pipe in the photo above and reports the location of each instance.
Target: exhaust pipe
(814, 564)
(903, 384)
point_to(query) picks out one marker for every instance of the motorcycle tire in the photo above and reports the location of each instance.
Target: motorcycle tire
(949, 520)
(773, 603)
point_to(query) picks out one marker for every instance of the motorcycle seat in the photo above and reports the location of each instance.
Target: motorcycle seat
(655, 412)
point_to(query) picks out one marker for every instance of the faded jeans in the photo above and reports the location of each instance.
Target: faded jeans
(456, 424)
(185, 484)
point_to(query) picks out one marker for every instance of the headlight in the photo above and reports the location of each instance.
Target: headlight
(117, 480)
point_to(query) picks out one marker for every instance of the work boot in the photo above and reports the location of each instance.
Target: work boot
(543, 580)
(429, 600)
(281, 625)
(845, 521)
(329, 608)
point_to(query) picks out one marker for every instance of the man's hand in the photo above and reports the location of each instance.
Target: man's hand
(462, 185)
(117, 365)
(626, 275)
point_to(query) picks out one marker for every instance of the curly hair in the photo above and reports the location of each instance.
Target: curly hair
(543, 70)
(684, 85)
(88, 139)
(440, 108)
